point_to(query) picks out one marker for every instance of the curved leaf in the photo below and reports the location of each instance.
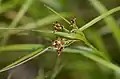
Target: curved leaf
(95, 58)
(110, 21)
(25, 59)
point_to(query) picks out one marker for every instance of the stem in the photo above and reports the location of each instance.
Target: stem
(97, 51)
(57, 66)
(92, 22)
(65, 29)
(57, 14)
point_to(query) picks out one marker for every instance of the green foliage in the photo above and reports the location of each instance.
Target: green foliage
(110, 21)
(75, 42)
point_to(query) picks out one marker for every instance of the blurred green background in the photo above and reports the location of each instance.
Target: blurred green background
(33, 15)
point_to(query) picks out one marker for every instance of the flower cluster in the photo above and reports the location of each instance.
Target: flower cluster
(59, 43)
(57, 26)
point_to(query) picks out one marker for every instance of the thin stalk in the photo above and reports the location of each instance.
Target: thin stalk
(57, 14)
(57, 66)
(98, 52)
(92, 22)
(110, 21)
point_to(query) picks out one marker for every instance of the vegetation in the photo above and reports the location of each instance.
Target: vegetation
(60, 41)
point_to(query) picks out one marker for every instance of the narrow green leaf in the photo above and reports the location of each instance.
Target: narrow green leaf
(104, 15)
(25, 59)
(110, 21)
(57, 14)
(95, 58)
(20, 47)
(39, 23)
(73, 36)
(97, 41)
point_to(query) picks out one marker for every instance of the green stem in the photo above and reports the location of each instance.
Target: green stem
(57, 14)
(57, 66)
(97, 51)
(92, 22)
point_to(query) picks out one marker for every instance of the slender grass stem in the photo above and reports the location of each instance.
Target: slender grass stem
(57, 14)
(56, 67)
(92, 22)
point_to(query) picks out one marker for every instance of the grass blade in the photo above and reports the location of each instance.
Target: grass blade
(20, 47)
(73, 36)
(95, 58)
(25, 59)
(57, 14)
(97, 40)
(110, 21)
(40, 23)
(99, 18)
